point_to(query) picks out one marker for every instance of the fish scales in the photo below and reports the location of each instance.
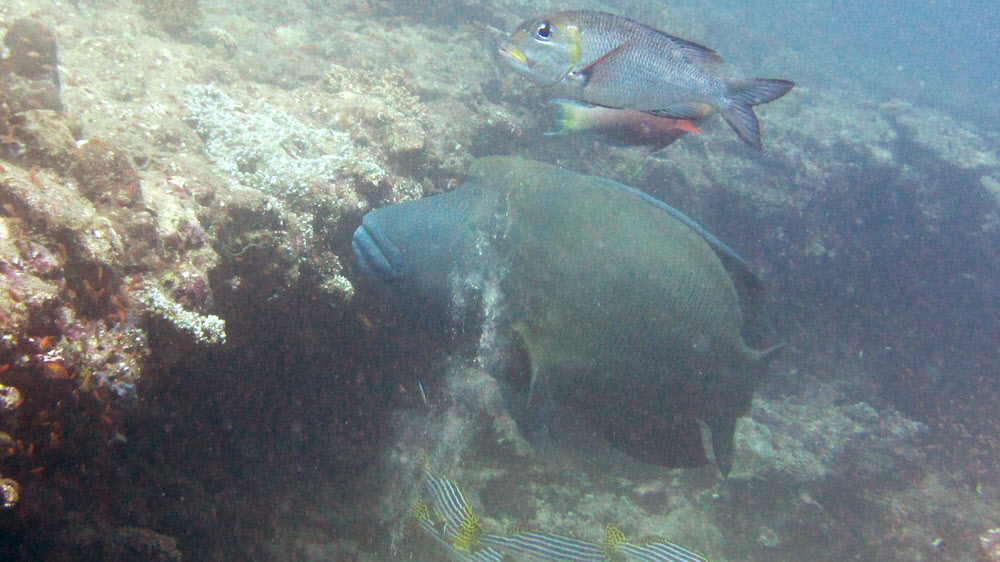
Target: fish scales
(662, 68)
(609, 60)
(660, 552)
(449, 503)
(544, 547)
(622, 287)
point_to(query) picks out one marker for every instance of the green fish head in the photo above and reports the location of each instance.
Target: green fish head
(543, 50)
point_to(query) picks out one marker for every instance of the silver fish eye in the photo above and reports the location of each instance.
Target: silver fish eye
(543, 31)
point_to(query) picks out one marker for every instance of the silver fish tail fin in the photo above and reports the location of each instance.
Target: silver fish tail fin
(745, 94)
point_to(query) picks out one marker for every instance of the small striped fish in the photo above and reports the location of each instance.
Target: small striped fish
(660, 552)
(460, 533)
(461, 525)
(425, 520)
(546, 547)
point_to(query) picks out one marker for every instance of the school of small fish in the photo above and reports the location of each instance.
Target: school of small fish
(450, 521)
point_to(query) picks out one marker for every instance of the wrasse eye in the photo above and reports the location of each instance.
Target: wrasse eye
(544, 31)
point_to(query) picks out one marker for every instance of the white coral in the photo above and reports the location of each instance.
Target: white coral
(205, 329)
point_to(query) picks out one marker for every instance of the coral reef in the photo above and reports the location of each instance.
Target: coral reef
(203, 329)
(269, 150)
(177, 17)
(813, 439)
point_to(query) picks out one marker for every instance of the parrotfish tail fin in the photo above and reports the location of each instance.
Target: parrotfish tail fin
(744, 95)
(572, 117)
(723, 437)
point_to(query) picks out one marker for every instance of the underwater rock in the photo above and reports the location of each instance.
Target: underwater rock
(134, 542)
(202, 329)
(28, 301)
(817, 440)
(10, 399)
(45, 140)
(29, 76)
(929, 135)
(177, 17)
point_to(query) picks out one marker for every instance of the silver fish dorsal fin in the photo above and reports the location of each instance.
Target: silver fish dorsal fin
(692, 52)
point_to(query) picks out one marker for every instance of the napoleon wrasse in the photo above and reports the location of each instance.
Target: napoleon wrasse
(628, 311)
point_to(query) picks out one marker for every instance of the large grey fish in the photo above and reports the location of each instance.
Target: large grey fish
(609, 60)
(627, 309)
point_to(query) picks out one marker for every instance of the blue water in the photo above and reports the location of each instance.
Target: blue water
(936, 53)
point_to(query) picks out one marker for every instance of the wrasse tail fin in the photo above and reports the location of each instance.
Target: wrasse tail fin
(744, 95)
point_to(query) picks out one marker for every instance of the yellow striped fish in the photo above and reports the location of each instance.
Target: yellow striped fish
(452, 523)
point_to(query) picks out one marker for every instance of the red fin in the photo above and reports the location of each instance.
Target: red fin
(585, 71)
(687, 126)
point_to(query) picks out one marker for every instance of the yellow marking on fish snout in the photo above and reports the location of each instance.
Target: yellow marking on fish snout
(512, 52)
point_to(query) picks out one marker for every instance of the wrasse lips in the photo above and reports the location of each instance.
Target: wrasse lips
(376, 255)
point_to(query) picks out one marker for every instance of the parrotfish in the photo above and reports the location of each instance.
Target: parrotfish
(610, 60)
(628, 310)
(627, 127)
